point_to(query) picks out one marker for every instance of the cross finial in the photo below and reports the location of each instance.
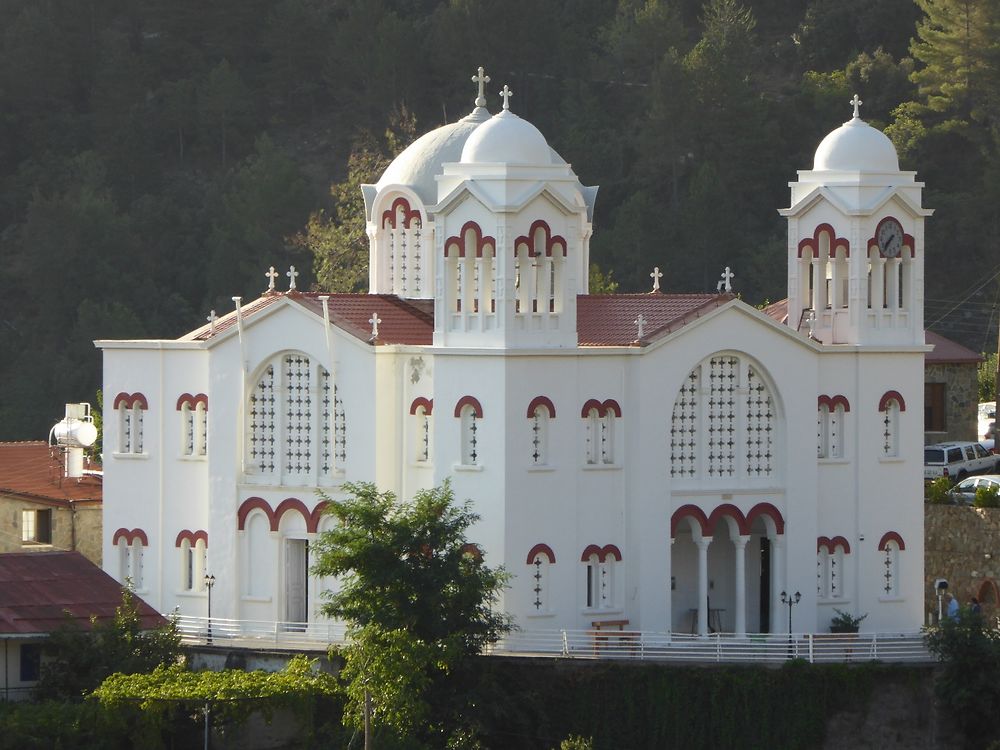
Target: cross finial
(857, 104)
(374, 320)
(507, 93)
(291, 274)
(212, 317)
(271, 276)
(641, 322)
(656, 275)
(724, 285)
(482, 79)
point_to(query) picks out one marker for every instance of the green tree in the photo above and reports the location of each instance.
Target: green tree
(224, 101)
(987, 375)
(418, 599)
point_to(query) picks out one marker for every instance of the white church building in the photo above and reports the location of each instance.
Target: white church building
(676, 461)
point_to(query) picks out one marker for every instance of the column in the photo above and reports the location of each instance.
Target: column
(818, 285)
(703, 543)
(878, 282)
(740, 543)
(777, 582)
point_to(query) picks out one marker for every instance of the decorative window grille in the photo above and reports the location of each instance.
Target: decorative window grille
(326, 422)
(539, 582)
(130, 562)
(822, 573)
(835, 563)
(201, 419)
(131, 410)
(890, 564)
(539, 435)
(723, 380)
(595, 436)
(188, 415)
(298, 414)
(759, 426)
(263, 424)
(601, 582)
(422, 437)
(339, 429)
(593, 582)
(470, 435)
(607, 427)
(684, 428)
(890, 428)
(822, 420)
(417, 289)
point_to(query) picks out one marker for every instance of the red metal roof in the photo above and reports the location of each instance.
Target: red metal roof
(609, 320)
(948, 351)
(33, 470)
(38, 589)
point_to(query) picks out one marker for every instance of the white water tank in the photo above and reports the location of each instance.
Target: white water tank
(75, 432)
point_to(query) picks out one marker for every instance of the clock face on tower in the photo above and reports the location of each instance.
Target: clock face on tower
(890, 238)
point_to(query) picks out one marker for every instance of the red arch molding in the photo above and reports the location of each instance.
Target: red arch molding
(891, 536)
(550, 240)
(427, 403)
(192, 537)
(601, 552)
(541, 401)
(602, 407)
(192, 401)
(130, 536)
(744, 522)
(409, 214)
(883, 403)
(836, 243)
(694, 512)
(830, 545)
(314, 517)
(907, 238)
(541, 549)
(130, 400)
(458, 241)
(252, 503)
(291, 504)
(832, 402)
(766, 509)
(469, 401)
(730, 510)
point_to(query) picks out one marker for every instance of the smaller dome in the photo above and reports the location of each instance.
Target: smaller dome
(856, 147)
(507, 139)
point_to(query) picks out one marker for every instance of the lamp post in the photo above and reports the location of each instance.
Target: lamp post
(791, 601)
(209, 582)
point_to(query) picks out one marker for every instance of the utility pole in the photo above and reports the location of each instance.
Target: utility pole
(369, 740)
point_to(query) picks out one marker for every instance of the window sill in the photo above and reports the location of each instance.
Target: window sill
(185, 457)
(891, 459)
(539, 615)
(130, 456)
(593, 612)
(838, 602)
(35, 546)
(540, 469)
(421, 465)
(889, 599)
(833, 461)
(257, 599)
(190, 593)
(467, 467)
(601, 467)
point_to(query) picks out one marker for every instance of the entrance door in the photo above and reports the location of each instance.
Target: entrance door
(296, 578)
(765, 585)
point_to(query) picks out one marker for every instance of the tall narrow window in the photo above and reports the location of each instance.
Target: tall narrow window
(130, 409)
(36, 526)
(891, 405)
(192, 548)
(194, 424)
(830, 556)
(539, 559)
(935, 414)
(130, 546)
(601, 576)
(830, 426)
(298, 415)
(599, 429)
(263, 426)
(891, 546)
(540, 411)
(470, 412)
(421, 410)
(593, 436)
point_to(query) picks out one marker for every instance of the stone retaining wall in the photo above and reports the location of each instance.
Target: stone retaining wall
(962, 545)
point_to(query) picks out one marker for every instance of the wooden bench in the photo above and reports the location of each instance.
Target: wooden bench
(604, 630)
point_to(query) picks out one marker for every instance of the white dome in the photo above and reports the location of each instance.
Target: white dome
(507, 139)
(856, 147)
(420, 162)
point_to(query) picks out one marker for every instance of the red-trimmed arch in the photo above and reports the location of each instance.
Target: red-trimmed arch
(458, 241)
(291, 504)
(469, 401)
(542, 401)
(692, 511)
(836, 243)
(130, 535)
(312, 525)
(612, 406)
(602, 552)
(602, 407)
(832, 402)
(542, 549)
(766, 509)
(130, 400)
(192, 401)
(192, 537)
(891, 536)
(551, 240)
(420, 401)
(883, 403)
(409, 214)
(255, 503)
(830, 545)
(731, 511)
(908, 241)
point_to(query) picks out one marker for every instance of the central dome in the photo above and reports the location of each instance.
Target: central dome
(856, 147)
(506, 139)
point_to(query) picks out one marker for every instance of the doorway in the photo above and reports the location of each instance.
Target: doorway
(765, 585)
(296, 581)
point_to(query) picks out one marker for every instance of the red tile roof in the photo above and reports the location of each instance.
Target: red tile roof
(777, 310)
(33, 470)
(948, 351)
(37, 589)
(609, 320)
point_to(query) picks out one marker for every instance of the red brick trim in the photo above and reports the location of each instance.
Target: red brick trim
(130, 536)
(601, 552)
(832, 402)
(316, 515)
(253, 503)
(541, 401)
(891, 536)
(908, 241)
(192, 537)
(836, 243)
(458, 241)
(766, 509)
(692, 511)
(291, 504)
(830, 545)
(730, 510)
(469, 401)
(192, 401)
(130, 400)
(883, 403)
(602, 407)
(409, 214)
(427, 403)
(551, 240)
(541, 549)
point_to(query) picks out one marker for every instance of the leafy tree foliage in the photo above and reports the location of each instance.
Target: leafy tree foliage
(418, 598)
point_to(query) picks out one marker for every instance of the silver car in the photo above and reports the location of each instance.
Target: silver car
(964, 492)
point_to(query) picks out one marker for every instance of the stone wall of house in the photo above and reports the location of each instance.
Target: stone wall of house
(961, 393)
(962, 545)
(85, 538)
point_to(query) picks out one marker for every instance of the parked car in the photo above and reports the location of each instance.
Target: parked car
(988, 419)
(958, 460)
(964, 492)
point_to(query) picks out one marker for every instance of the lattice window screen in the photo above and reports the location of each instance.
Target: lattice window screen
(262, 422)
(298, 414)
(723, 380)
(684, 428)
(759, 426)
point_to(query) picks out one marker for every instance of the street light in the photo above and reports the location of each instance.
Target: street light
(791, 601)
(209, 582)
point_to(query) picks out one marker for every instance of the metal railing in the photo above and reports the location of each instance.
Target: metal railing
(591, 643)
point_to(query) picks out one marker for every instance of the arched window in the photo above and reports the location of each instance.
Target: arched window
(600, 431)
(539, 257)
(539, 559)
(130, 546)
(540, 411)
(830, 417)
(193, 549)
(296, 424)
(470, 412)
(891, 545)
(130, 409)
(470, 263)
(891, 405)
(404, 264)
(420, 410)
(602, 564)
(830, 578)
(194, 424)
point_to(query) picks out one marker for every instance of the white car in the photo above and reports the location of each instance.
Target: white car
(957, 460)
(987, 419)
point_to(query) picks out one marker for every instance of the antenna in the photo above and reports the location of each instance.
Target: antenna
(75, 432)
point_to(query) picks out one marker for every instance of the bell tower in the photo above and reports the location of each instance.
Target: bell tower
(856, 242)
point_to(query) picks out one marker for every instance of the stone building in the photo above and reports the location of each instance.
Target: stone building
(951, 391)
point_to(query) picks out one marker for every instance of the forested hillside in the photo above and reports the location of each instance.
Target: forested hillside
(156, 156)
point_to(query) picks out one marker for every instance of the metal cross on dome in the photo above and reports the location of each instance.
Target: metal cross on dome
(271, 276)
(291, 274)
(374, 320)
(212, 317)
(482, 79)
(857, 104)
(507, 93)
(656, 275)
(641, 322)
(724, 285)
